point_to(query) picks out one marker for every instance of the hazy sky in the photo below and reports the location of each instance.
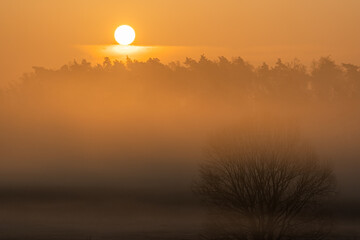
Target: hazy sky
(48, 32)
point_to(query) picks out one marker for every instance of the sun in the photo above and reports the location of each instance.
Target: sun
(124, 35)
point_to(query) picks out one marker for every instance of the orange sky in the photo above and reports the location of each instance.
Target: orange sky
(53, 32)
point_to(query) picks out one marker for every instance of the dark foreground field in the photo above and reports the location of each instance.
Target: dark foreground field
(109, 214)
(43, 214)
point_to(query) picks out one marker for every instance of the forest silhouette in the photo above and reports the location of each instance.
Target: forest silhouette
(223, 79)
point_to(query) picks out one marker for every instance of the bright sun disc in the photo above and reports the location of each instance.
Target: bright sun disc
(124, 35)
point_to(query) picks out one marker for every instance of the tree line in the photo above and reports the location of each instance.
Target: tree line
(324, 80)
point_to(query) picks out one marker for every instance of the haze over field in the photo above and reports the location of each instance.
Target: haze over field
(136, 131)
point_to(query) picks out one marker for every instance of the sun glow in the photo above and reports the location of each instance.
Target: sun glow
(124, 35)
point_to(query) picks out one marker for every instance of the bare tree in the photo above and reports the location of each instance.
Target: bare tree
(264, 184)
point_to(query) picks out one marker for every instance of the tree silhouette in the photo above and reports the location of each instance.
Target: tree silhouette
(264, 184)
